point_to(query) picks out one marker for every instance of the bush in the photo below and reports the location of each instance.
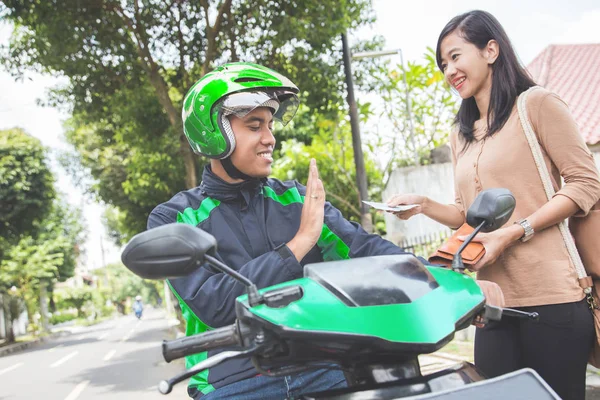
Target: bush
(58, 318)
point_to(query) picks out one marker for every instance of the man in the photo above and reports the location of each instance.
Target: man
(138, 307)
(266, 229)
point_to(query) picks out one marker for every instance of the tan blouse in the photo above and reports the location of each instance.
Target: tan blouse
(539, 271)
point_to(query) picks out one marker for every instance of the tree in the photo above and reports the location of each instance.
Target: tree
(130, 63)
(26, 186)
(331, 146)
(119, 283)
(166, 46)
(432, 107)
(76, 298)
(35, 263)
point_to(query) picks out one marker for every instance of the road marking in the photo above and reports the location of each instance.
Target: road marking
(55, 347)
(109, 355)
(5, 370)
(77, 391)
(64, 359)
(103, 336)
(126, 337)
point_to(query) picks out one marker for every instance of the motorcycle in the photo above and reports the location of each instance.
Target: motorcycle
(370, 317)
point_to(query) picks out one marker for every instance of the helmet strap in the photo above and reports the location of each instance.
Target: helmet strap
(232, 171)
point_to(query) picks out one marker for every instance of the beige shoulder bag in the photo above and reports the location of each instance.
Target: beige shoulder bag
(585, 281)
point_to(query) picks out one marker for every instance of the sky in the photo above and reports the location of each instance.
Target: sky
(409, 25)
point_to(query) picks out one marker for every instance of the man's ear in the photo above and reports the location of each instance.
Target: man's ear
(492, 51)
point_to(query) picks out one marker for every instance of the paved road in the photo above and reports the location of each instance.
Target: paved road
(118, 359)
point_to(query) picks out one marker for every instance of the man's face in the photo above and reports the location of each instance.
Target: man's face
(253, 154)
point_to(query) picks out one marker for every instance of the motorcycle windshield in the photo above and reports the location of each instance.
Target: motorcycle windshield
(374, 281)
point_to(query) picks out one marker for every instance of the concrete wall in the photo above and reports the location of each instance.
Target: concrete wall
(434, 181)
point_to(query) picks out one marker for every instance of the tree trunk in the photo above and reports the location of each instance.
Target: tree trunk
(189, 159)
(162, 92)
(44, 307)
(8, 326)
(191, 180)
(51, 303)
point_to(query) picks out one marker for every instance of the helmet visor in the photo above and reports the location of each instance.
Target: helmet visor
(283, 104)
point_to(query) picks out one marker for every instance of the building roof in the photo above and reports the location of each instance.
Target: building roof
(573, 72)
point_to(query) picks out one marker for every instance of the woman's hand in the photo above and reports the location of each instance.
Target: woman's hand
(492, 292)
(407, 199)
(493, 297)
(495, 243)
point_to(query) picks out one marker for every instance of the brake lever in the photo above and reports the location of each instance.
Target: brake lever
(493, 313)
(509, 312)
(166, 386)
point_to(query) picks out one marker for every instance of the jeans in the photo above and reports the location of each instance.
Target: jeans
(278, 388)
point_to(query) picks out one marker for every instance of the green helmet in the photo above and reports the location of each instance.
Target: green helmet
(235, 88)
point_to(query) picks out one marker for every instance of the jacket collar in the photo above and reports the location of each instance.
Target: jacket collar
(216, 188)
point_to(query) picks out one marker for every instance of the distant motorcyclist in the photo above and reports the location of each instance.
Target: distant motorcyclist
(138, 307)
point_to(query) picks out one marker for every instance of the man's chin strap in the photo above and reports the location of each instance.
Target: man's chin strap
(232, 171)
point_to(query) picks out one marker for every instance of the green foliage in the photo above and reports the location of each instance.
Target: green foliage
(73, 297)
(49, 256)
(128, 65)
(113, 220)
(60, 317)
(331, 146)
(134, 161)
(26, 186)
(432, 107)
(42, 260)
(119, 284)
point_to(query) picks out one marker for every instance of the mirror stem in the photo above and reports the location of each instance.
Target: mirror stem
(254, 297)
(457, 261)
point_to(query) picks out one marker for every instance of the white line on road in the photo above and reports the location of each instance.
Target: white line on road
(109, 355)
(64, 359)
(126, 337)
(55, 347)
(77, 391)
(103, 336)
(5, 370)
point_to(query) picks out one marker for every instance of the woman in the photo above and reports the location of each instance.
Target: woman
(527, 257)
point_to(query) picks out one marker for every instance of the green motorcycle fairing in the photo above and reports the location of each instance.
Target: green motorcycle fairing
(393, 303)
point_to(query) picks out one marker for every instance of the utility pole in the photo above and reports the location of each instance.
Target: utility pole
(411, 127)
(104, 267)
(361, 173)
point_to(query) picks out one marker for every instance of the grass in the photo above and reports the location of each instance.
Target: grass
(87, 322)
(459, 349)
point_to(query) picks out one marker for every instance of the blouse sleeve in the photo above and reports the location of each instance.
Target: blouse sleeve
(559, 136)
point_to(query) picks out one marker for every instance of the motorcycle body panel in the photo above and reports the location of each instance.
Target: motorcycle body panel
(423, 318)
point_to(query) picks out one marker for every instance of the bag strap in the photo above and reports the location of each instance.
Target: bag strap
(584, 281)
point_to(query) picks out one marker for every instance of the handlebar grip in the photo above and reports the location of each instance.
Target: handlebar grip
(217, 338)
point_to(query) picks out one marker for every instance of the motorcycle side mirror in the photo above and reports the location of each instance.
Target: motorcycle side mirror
(168, 251)
(491, 209)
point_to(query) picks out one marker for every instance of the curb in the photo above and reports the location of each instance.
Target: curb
(12, 348)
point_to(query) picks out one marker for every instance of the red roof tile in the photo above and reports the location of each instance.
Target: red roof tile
(573, 72)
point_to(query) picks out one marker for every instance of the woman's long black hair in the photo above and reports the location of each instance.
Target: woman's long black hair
(509, 78)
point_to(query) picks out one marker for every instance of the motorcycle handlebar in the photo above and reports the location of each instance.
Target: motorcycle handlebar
(217, 338)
